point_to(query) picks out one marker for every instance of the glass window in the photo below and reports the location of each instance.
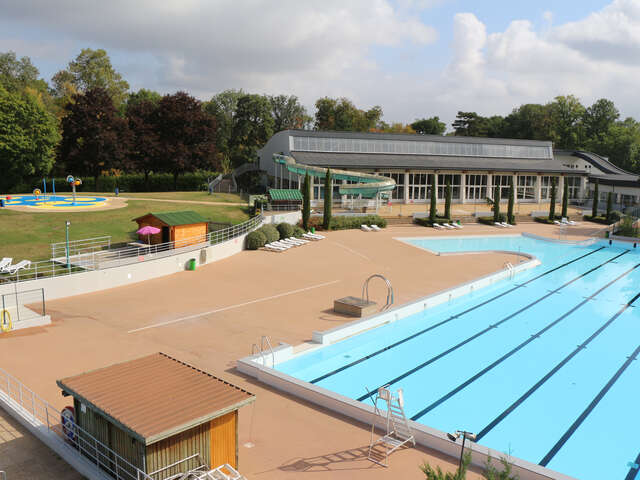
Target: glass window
(503, 181)
(398, 192)
(419, 187)
(455, 186)
(574, 184)
(476, 187)
(526, 190)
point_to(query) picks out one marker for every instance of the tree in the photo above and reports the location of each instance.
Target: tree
(566, 116)
(447, 200)
(306, 201)
(92, 69)
(252, 128)
(565, 197)
(496, 203)
(429, 126)
(142, 95)
(609, 206)
(328, 198)
(94, 137)
(288, 113)
(433, 212)
(28, 138)
(599, 118)
(552, 199)
(223, 107)
(510, 217)
(342, 115)
(22, 77)
(145, 142)
(596, 197)
(469, 124)
(186, 135)
(531, 121)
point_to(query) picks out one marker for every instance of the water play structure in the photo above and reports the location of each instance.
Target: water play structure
(42, 200)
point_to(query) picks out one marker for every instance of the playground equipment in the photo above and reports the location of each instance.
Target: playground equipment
(73, 182)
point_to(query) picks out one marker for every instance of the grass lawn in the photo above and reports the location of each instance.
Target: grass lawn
(193, 196)
(26, 235)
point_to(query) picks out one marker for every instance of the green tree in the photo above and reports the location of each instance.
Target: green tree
(94, 137)
(609, 206)
(552, 199)
(496, 203)
(21, 76)
(288, 113)
(433, 209)
(429, 126)
(143, 95)
(342, 115)
(469, 124)
(510, 217)
(566, 121)
(437, 474)
(223, 107)
(252, 128)
(28, 138)
(306, 202)
(328, 199)
(447, 200)
(596, 197)
(145, 152)
(599, 118)
(531, 121)
(92, 69)
(565, 197)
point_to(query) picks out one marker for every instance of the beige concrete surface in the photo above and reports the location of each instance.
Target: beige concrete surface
(211, 316)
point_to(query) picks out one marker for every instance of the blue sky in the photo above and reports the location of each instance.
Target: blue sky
(415, 58)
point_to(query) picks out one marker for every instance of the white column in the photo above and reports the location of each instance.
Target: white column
(489, 185)
(515, 188)
(560, 190)
(406, 188)
(463, 185)
(538, 188)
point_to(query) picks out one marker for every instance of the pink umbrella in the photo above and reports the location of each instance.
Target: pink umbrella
(148, 230)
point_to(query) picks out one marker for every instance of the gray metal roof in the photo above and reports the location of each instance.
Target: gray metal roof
(430, 162)
(417, 137)
(613, 175)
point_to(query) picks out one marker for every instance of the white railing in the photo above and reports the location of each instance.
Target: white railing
(77, 247)
(97, 260)
(15, 304)
(77, 440)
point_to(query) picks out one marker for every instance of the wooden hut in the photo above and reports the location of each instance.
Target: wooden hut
(285, 199)
(154, 412)
(183, 228)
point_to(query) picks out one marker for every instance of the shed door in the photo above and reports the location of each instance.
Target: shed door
(165, 234)
(223, 440)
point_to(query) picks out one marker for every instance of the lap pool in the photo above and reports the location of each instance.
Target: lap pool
(542, 366)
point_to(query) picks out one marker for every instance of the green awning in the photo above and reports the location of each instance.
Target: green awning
(285, 194)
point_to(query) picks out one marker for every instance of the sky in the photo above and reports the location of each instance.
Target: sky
(414, 58)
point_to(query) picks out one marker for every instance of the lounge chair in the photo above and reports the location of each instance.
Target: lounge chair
(506, 225)
(22, 264)
(447, 226)
(299, 240)
(456, 225)
(311, 237)
(317, 235)
(365, 228)
(291, 242)
(437, 225)
(556, 222)
(498, 224)
(566, 221)
(272, 248)
(376, 228)
(5, 263)
(279, 244)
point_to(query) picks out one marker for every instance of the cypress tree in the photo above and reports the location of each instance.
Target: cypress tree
(609, 206)
(306, 201)
(565, 197)
(552, 200)
(512, 199)
(496, 203)
(596, 197)
(447, 202)
(433, 210)
(328, 199)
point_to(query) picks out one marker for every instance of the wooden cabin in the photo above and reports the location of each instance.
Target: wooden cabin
(285, 199)
(183, 228)
(154, 412)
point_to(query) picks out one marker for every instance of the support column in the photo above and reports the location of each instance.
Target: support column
(406, 188)
(463, 188)
(489, 185)
(428, 200)
(560, 189)
(538, 188)
(515, 188)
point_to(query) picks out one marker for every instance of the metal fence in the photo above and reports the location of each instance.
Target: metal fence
(78, 247)
(134, 253)
(23, 305)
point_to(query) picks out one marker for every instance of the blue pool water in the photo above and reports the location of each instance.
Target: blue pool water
(541, 367)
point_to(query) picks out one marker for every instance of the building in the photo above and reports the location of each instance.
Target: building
(183, 228)
(473, 166)
(153, 412)
(285, 199)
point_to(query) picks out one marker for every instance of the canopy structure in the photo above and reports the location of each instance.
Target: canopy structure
(366, 185)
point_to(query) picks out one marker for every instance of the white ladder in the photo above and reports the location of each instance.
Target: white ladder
(511, 269)
(398, 432)
(264, 348)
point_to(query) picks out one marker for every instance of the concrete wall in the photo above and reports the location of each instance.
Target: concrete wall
(289, 217)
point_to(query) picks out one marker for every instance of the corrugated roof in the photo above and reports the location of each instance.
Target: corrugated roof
(285, 194)
(430, 162)
(156, 396)
(186, 217)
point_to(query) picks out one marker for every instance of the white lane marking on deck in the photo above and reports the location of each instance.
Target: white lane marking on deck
(230, 307)
(352, 251)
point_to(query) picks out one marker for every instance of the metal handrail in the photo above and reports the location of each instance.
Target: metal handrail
(186, 459)
(390, 294)
(268, 342)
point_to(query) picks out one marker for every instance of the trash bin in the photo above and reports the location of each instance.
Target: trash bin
(606, 234)
(313, 229)
(191, 264)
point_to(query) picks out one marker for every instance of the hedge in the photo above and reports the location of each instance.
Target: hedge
(344, 222)
(256, 240)
(285, 230)
(490, 220)
(426, 221)
(298, 231)
(270, 232)
(615, 216)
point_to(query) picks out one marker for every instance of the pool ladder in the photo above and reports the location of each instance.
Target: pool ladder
(511, 269)
(390, 295)
(264, 348)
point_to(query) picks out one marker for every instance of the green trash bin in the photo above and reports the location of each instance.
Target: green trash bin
(313, 229)
(191, 264)
(606, 234)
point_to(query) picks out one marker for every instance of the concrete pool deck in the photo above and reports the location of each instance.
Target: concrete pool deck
(211, 317)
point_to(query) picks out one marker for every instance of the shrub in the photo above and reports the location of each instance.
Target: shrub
(285, 230)
(489, 220)
(543, 220)
(256, 240)
(348, 222)
(627, 227)
(427, 222)
(601, 219)
(298, 231)
(270, 233)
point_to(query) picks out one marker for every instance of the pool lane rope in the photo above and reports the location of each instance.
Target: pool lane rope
(5, 325)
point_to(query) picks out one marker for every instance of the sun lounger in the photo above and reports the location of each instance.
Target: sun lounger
(279, 244)
(447, 226)
(317, 235)
(376, 228)
(556, 222)
(22, 264)
(292, 242)
(299, 240)
(498, 224)
(365, 228)
(271, 248)
(311, 237)
(437, 225)
(566, 221)
(456, 225)
(5, 263)
(506, 225)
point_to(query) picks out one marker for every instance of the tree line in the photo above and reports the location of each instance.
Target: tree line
(86, 121)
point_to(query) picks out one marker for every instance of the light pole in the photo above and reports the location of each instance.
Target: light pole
(67, 224)
(464, 434)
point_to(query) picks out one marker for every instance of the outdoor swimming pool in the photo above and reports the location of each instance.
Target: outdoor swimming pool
(542, 367)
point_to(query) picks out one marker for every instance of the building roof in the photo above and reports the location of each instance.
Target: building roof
(612, 174)
(417, 137)
(156, 396)
(173, 219)
(430, 162)
(285, 194)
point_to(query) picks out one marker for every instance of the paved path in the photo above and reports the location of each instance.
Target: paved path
(198, 202)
